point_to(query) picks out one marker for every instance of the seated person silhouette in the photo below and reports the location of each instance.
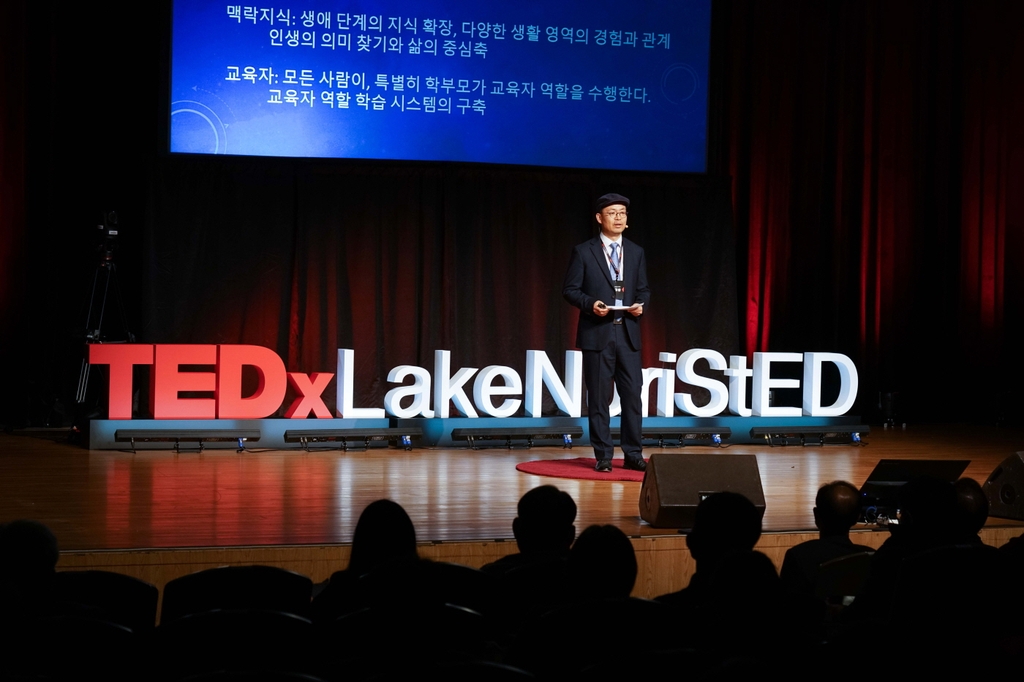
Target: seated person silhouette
(384, 536)
(953, 595)
(735, 606)
(724, 523)
(836, 508)
(28, 561)
(535, 579)
(602, 562)
(928, 520)
(744, 610)
(603, 569)
(544, 530)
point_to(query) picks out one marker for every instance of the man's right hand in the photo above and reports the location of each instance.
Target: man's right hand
(600, 309)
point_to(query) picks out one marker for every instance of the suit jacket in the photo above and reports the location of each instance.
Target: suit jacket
(588, 280)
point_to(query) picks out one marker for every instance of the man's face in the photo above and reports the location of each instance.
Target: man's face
(612, 220)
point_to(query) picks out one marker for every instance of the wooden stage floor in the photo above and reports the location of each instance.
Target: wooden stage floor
(160, 514)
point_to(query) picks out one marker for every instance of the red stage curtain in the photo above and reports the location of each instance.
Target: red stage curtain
(875, 150)
(992, 229)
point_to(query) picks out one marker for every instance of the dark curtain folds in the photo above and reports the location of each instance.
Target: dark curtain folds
(875, 154)
(396, 262)
(992, 237)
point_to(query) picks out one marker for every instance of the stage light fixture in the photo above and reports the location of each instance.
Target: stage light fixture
(507, 433)
(684, 435)
(176, 437)
(363, 436)
(794, 434)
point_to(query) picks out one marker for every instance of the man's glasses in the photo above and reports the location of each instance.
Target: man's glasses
(615, 214)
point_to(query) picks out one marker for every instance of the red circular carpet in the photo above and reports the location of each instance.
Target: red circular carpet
(579, 468)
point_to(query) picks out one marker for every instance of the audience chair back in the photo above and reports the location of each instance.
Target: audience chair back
(400, 639)
(251, 676)
(428, 582)
(843, 577)
(114, 597)
(235, 640)
(70, 647)
(561, 643)
(237, 587)
(477, 671)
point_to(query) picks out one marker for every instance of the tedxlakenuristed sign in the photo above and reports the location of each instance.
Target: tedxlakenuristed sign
(495, 389)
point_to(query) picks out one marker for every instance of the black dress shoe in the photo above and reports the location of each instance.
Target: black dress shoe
(635, 464)
(603, 465)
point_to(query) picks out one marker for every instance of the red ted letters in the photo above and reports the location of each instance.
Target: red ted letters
(223, 380)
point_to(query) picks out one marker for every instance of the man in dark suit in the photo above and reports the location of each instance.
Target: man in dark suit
(607, 281)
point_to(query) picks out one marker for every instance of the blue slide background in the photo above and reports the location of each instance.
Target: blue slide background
(661, 126)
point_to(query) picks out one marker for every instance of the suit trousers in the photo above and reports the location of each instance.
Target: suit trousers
(616, 362)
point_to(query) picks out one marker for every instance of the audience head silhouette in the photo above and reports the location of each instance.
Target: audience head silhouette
(603, 561)
(927, 506)
(724, 522)
(28, 560)
(545, 521)
(744, 577)
(383, 535)
(836, 508)
(972, 507)
(28, 550)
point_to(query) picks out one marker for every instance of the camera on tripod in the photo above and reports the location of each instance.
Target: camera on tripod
(108, 230)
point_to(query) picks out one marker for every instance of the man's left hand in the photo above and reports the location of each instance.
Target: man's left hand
(636, 310)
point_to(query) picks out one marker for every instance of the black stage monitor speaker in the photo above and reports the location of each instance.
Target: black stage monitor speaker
(675, 484)
(880, 493)
(1005, 488)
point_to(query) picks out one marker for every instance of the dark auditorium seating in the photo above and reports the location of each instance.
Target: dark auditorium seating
(564, 641)
(70, 647)
(402, 583)
(401, 639)
(843, 576)
(251, 676)
(237, 587)
(115, 597)
(236, 640)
